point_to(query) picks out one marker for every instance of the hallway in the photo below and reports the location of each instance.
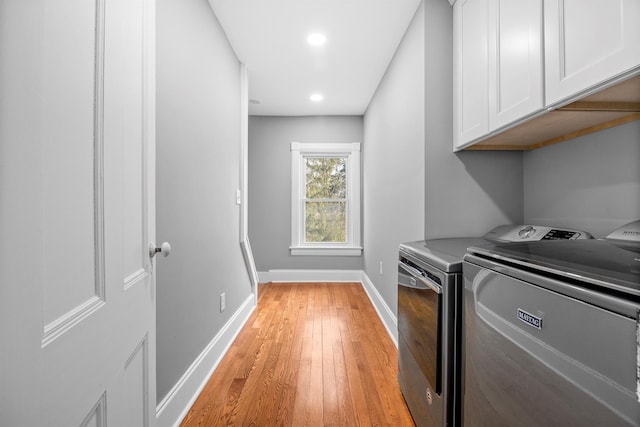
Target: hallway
(311, 354)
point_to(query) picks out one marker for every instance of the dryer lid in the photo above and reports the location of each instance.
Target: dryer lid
(599, 262)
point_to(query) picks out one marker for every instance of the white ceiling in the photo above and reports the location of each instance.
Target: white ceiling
(269, 37)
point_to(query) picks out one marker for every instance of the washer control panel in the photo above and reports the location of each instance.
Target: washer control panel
(529, 233)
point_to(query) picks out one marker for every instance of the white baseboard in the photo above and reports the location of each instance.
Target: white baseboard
(385, 314)
(175, 405)
(310, 276)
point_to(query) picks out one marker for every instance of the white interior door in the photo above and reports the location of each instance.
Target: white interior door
(77, 213)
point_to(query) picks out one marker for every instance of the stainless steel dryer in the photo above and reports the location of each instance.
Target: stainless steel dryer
(429, 320)
(552, 333)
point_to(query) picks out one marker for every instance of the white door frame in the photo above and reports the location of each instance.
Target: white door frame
(244, 181)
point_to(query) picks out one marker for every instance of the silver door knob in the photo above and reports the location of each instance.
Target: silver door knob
(164, 249)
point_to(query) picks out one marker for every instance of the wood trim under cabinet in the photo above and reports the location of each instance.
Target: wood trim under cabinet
(592, 129)
(543, 131)
(614, 106)
(626, 107)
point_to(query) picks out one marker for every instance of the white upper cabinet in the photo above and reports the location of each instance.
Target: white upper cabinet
(518, 60)
(498, 65)
(588, 42)
(515, 60)
(471, 56)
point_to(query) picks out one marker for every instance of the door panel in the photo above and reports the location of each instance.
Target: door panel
(131, 389)
(97, 415)
(72, 129)
(77, 301)
(135, 228)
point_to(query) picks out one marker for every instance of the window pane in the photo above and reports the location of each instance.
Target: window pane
(325, 222)
(326, 177)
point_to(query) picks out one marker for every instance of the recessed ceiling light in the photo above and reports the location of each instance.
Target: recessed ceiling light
(316, 39)
(316, 97)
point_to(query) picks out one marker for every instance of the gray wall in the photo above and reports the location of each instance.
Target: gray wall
(198, 170)
(393, 162)
(468, 193)
(590, 183)
(270, 186)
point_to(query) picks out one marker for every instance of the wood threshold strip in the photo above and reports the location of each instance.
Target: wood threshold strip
(310, 355)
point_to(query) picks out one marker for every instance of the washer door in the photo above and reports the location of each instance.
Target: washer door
(420, 320)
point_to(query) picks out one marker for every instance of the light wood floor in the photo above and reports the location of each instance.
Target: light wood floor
(311, 354)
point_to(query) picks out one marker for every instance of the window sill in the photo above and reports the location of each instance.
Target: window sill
(325, 251)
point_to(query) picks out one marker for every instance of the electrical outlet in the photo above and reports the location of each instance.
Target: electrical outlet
(238, 197)
(381, 267)
(223, 302)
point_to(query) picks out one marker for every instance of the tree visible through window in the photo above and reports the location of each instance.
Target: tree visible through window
(325, 199)
(325, 210)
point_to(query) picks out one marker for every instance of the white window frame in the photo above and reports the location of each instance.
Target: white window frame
(300, 151)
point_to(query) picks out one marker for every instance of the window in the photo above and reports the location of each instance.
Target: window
(325, 199)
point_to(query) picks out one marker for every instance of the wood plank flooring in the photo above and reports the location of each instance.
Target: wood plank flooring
(310, 355)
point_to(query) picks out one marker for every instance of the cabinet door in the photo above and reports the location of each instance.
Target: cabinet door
(471, 118)
(515, 60)
(588, 42)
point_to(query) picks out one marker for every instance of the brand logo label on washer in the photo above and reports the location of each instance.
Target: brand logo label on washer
(530, 319)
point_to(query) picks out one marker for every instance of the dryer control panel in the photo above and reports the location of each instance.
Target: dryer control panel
(529, 233)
